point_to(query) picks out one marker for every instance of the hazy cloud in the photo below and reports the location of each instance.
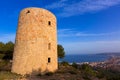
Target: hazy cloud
(92, 47)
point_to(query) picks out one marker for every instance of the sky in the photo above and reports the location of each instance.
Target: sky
(83, 26)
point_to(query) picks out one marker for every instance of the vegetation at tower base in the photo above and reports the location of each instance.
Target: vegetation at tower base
(6, 50)
(60, 51)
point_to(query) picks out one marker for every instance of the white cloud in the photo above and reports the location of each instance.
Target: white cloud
(75, 33)
(7, 37)
(63, 30)
(88, 6)
(59, 4)
(83, 6)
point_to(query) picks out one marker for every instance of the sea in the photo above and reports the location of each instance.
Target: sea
(80, 58)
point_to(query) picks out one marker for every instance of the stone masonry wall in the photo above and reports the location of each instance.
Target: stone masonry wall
(36, 41)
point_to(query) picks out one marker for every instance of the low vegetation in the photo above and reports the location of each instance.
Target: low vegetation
(7, 75)
(65, 72)
(79, 72)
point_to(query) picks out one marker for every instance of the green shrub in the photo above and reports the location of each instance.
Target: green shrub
(75, 65)
(73, 72)
(1, 56)
(87, 69)
(39, 74)
(61, 71)
(49, 73)
(64, 63)
(85, 77)
(100, 75)
(5, 65)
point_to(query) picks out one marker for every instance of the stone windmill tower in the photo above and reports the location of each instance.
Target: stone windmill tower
(36, 42)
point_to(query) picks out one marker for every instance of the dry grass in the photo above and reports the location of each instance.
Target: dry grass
(6, 75)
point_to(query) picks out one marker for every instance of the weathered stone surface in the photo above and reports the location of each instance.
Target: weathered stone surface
(36, 41)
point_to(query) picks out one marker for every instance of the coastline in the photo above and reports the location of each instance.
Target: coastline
(85, 58)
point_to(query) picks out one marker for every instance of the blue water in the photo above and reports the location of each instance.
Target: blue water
(85, 58)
